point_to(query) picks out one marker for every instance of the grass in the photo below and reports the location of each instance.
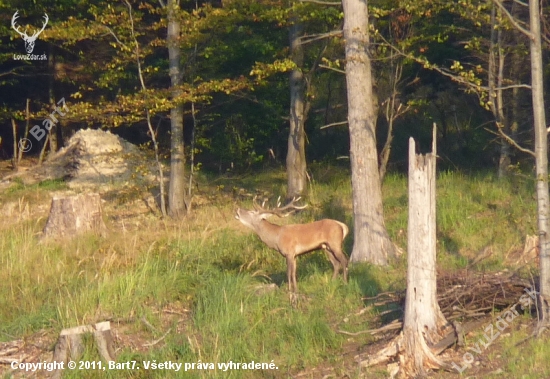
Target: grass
(192, 285)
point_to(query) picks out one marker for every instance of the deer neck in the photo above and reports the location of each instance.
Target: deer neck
(268, 233)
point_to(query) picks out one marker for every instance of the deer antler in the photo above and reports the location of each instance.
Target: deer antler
(279, 211)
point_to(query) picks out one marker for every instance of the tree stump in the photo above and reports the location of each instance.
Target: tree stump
(69, 344)
(75, 214)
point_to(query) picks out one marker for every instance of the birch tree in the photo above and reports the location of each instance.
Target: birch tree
(540, 152)
(541, 160)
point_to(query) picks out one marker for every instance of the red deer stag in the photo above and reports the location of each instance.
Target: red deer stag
(297, 239)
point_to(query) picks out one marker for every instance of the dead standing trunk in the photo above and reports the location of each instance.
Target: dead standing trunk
(371, 240)
(423, 322)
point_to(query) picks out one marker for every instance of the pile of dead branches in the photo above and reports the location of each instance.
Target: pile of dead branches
(463, 295)
(471, 294)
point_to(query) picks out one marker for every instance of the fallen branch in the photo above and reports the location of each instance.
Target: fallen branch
(158, 340)
(394, 325)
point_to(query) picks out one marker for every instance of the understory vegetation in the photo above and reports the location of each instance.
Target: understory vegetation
(198, 289)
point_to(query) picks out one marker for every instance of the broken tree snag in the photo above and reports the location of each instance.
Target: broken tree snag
(423, 322)
(75, 214)
(69, 344)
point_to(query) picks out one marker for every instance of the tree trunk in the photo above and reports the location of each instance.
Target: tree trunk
(52, 133)
(541, 158)
(176, 191)
(392, 112)
(75, 214)
(371, 240)
(496, 97)
(296, 155)
(423, 318)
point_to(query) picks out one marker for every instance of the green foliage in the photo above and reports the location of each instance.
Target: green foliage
(235, 58)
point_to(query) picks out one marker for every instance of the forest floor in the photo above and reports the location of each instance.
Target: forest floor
(198, 290)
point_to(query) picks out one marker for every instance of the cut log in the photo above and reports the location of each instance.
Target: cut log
(75, 214)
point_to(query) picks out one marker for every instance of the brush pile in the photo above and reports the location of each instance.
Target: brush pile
(462, 295)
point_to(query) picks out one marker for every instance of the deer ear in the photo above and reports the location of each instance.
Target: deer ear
(263, 216)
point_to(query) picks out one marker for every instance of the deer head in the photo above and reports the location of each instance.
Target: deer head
(251, 218)
(29, 41)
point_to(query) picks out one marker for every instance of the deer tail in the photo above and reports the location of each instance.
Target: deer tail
(345, 229)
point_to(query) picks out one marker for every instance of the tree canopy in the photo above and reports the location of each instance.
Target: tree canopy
(431, 63)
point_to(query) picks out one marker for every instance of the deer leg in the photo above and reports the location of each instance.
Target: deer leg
(334, 261)
(337, 255)
(291, 273)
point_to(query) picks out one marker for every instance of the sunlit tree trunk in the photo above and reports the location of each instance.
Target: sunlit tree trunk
(296, 155)
(371, 240)
(541, 158)
(176, 191)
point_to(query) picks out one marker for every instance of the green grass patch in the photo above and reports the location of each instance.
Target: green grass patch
(211, 266)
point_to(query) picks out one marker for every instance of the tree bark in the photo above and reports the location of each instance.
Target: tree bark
(423, 322)
(541, 161)
(75, 214)
(70, 345)
(296, 155)
(53, 133)
(392, 112)
(496, 96)
(371, 240)
(176, 191)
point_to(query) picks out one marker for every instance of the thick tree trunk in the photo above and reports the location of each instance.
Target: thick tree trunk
(371, 240)
(423, 323)
(541, 158)
(176, 191)
(296, 154)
